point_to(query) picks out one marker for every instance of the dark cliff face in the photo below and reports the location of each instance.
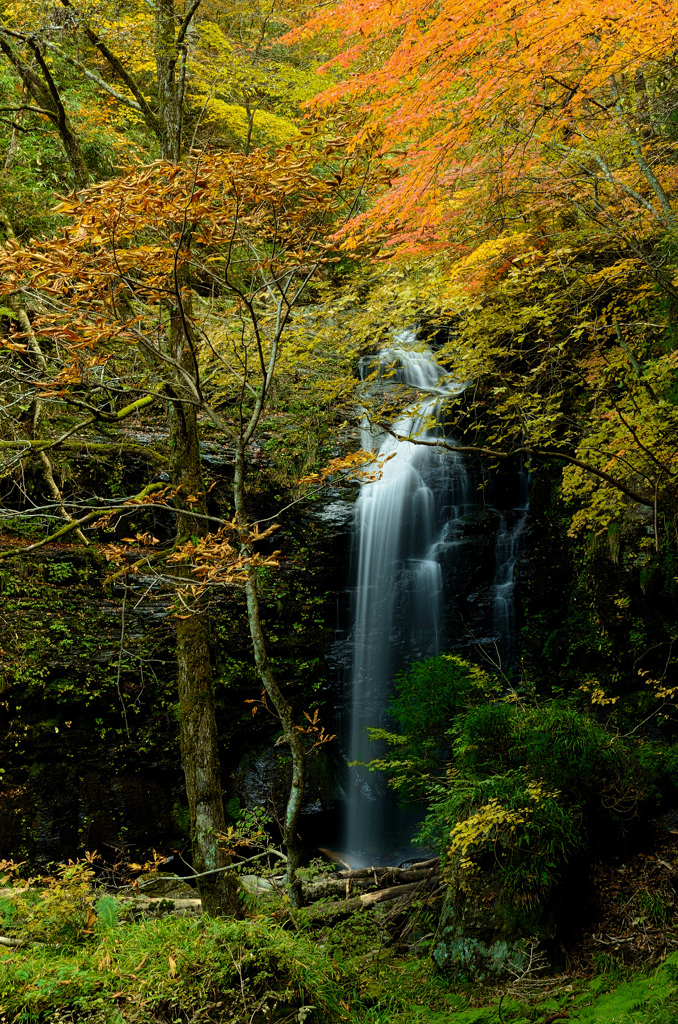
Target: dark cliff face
(88, 727)
(88, 723)
(595, 607)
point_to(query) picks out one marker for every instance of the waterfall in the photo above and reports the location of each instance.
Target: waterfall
(503, 610)
(433, 558)
(406, 520)
(508, 543)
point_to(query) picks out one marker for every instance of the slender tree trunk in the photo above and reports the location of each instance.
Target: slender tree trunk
(46, 95)
(291, 837)
(169, 104)
(13, 147)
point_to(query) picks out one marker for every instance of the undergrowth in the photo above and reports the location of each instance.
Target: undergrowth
(180, 971)
(84, 963)
(173, 970)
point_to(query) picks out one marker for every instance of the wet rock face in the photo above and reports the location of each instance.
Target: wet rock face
(264, 779)
(336, 513)
(91, 754)
(64, 812)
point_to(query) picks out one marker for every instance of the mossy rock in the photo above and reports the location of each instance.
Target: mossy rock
(482, 938)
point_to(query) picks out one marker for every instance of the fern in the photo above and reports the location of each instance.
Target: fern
(107, 909)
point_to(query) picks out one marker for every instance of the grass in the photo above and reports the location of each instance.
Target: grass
(179, 971)
(173, 970)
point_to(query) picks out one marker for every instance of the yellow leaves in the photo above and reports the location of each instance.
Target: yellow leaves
(211, 35)
(482, 827)
(596, 693)
(618, 272)
(66, 206)
(486, 255)
(495, 825)
(243, 85)
(348, 465)
(265, 127)
(662, 692)
(537, 792)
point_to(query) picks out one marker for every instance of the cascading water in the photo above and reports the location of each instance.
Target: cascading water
(403, 525)
(510, 534)
(433, 569)
(503, 610)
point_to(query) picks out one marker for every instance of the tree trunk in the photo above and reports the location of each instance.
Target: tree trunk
(200, 760)
(291, 837)
(199, 746)
(169, 102)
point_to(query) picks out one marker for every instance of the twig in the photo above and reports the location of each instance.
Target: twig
(231, 867)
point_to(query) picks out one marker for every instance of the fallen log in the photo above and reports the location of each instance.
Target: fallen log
(160, 906)
(326, 888)
(337, 908)
(378, 872)
(385, 895)
(352, 881)
(362, 872)
(345, 885)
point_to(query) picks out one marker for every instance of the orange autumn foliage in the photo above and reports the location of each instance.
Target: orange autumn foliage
(492, 111)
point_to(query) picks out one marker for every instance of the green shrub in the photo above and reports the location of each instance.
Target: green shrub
(428, 699)
(512, 785)
(506, 822)
(58, 909)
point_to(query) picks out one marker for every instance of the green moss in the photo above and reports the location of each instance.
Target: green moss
(187, 969)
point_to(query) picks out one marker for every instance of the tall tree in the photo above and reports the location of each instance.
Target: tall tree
(260, 228)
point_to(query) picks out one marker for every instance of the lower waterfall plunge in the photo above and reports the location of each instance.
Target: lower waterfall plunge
(408, 543)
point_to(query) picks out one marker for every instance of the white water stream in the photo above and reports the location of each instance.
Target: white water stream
(409, 530)
(403, 523)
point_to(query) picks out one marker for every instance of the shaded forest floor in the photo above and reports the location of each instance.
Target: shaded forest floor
(86, 965)
(631, 917)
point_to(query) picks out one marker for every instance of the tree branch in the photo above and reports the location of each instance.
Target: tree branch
(150, 116)
(92, 77)
(75, 524)
(526, 450)
(181, 35)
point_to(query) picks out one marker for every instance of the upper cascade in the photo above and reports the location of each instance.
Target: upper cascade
(409, 361)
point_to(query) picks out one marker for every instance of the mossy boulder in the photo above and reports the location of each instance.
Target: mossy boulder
(482, 937)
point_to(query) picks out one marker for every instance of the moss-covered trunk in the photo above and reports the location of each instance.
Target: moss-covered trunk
(198, 731)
